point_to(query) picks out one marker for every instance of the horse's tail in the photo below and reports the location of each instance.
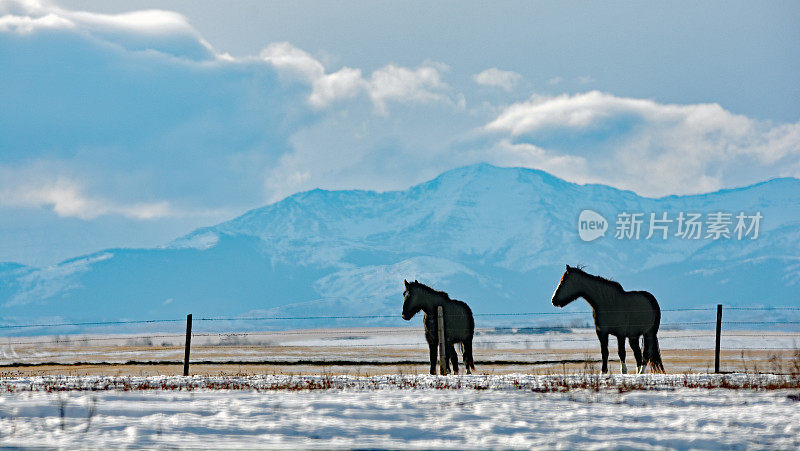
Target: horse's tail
(466, 351)
(469, 344)
(651, 340)
(651, 343)
(466, 345)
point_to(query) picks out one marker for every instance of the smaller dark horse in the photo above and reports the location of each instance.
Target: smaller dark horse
(459, 326)
(624, 314)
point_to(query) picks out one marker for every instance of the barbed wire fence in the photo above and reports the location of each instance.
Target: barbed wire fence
(224, 341)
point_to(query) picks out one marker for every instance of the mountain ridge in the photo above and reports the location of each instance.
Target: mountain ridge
(499, 236)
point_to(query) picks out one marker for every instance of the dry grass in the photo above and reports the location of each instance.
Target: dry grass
(565, 361)
(290, 353)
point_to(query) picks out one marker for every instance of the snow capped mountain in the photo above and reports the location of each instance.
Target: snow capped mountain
(497, 238)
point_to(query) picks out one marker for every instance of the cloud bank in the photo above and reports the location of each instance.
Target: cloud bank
(137, 116)
(655, 149)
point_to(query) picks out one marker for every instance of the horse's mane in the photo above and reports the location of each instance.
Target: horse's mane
(611, 282)
(430, 290)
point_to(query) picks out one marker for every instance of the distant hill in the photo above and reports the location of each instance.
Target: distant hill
(497, 238)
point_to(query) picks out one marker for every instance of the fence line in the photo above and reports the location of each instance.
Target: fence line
(484, 336)
(323, 317)
(537, 339)
(91, 323)
(375, 331)
(179, 348)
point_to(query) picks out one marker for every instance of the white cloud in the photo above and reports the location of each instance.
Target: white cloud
(325, 88)
(149, 30)
(67, 199)
(388, 84)
(156, 22)
(26, 24)
(403, 85)
(578, 111)
(498, 78)
(570, 167)
(652, 148)
(343, 84)
(288, 58)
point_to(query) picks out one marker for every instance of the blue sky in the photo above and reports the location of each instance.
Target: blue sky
(126, 124)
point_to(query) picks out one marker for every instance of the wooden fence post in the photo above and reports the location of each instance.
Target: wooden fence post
(719, 330)
(442, 359)
(188, 344)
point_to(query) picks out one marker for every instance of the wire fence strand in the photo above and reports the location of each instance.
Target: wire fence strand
(338, 317)
(500, 338)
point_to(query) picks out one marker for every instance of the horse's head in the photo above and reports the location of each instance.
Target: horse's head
(568, 288)
(411, 304)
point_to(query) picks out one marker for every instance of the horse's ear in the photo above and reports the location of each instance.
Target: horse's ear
(568, 268)
(405, 282)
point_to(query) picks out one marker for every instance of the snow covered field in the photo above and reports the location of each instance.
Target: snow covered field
(251, 406)
(511, 411)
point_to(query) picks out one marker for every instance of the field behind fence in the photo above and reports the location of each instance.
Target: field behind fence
(750, 339)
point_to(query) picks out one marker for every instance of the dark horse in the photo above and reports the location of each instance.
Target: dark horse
(459, 326)
(624, 314)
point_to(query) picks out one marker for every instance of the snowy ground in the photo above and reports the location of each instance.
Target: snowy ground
(511, 411)
(391, 410)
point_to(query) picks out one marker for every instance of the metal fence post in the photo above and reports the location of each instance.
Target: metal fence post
(719, 330)
(442, 359)
(188, 344)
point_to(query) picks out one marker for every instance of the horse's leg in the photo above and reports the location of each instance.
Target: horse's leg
(468, 364)
(621, 352)
(446, 358)
(603, 337)
(453, 357)
(434, 352)
(637, 354)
